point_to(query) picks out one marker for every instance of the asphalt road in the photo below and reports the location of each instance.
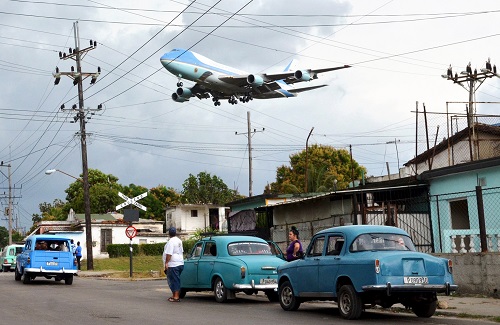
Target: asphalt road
(100, 301)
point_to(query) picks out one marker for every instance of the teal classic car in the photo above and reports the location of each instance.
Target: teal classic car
(363, 266)
(230, 264)
(8, 257)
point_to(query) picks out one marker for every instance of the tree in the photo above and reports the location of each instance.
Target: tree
(157, 199)
(103, 193)
(328, 169)
(207, 189)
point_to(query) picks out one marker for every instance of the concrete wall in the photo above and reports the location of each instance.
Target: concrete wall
(476, 273)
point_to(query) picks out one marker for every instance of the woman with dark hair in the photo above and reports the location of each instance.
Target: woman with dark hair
(294, 250)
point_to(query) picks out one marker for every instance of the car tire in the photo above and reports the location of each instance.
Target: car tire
(68, 279)
(5, 268)
(26, 278)
(17, 275)
(425, 309)
(220, 291)
(272, 296)
(349, 302)
(287, 298)
(182, 293)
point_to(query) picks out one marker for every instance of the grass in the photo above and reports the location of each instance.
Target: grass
(141, 265)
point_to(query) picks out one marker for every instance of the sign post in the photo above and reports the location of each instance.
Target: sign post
(131, 232)
(130, 216)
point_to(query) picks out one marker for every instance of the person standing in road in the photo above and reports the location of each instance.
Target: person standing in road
(294, 250)
(78, 254)
(173, 261)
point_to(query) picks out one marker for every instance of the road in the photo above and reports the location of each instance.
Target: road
(100, 301)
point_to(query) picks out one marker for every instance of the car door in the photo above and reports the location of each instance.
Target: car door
(329, 265)
(206, 264)
(190, 272)
(307, 268)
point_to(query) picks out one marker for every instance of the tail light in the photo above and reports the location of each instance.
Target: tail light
(5, 261)
(377, 266)
(450, 266)
(243, 272)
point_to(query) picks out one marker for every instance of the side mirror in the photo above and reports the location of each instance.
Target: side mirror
(300, 255)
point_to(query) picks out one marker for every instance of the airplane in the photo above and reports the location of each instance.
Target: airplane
(219, 81)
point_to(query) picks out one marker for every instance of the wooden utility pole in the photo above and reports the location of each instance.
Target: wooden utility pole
(77, 54)
(249, 136)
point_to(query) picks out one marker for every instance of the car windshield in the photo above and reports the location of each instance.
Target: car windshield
(382, 242)
(249, 248)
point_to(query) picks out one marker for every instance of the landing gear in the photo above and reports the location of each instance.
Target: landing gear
(246, 98)
(216, 101)
(180, 84)
(233, 100)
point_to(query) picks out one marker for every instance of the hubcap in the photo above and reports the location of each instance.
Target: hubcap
(286, 295)
(345, 304)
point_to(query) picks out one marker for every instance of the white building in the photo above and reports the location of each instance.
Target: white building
(106, 229)
(188, 218)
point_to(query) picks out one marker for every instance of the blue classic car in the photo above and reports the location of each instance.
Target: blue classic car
(363, 266)
(230, 264)
(47, 256)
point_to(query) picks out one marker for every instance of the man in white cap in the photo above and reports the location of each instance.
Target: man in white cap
(173, 260)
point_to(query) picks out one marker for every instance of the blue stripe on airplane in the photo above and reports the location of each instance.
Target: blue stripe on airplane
(187, 57)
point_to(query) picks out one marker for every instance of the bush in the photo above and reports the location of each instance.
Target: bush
(118, 250)
(156, 249)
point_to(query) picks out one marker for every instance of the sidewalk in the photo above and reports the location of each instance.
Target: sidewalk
(466, 306)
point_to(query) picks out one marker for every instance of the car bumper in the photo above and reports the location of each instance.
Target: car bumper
(252, 285)
(45, 271)
(390, 288)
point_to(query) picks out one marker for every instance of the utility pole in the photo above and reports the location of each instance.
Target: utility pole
(307, 142)
(249, 136)
(471, 81)
(77, 55)
(9, 212)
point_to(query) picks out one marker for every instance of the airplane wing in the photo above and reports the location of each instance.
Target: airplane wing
(289, 77)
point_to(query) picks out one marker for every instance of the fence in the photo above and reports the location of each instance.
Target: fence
(467, 222)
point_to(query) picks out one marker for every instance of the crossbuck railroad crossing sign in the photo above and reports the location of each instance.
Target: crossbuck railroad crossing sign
(129, 201)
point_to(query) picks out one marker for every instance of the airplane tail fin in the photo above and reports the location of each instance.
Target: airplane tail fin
(292, 66)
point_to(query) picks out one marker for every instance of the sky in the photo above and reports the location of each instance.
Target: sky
(398, 51)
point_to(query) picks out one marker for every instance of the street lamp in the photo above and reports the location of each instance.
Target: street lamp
(52, 171)
(88, 219)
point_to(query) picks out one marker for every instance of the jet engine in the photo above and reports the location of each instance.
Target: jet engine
(302, 75)
(178, 98)
(255, 81)
(184, 92)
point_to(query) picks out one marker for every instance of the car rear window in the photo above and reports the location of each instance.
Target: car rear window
(382, 242)
(249, 248)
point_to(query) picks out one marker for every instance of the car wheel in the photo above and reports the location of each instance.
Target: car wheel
(17, 275)
(287, 299)
(5, 268)
(220, 291)
(425, 309)
(272, 296)
(182, 293)
(68, 279)
(26, 278)
(350, 304)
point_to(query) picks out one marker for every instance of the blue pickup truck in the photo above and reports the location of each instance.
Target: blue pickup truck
(46, 256)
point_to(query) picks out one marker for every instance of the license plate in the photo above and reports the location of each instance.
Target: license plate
(268, 281)
(52, 263)
(416, 280)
